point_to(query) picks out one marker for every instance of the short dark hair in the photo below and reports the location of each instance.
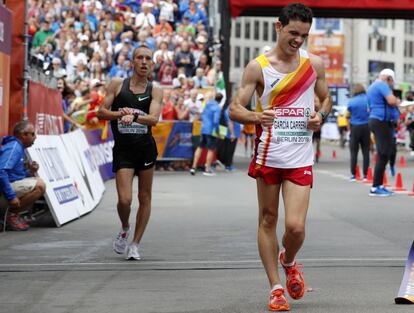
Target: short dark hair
(219, 97)
(140, 47)
(295, 12)
(20, 127)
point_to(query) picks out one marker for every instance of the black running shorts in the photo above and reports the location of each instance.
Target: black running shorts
(140, 156)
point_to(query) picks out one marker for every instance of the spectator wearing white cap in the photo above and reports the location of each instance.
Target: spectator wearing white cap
(57, 70)
(381, 122)
(145, 18)
(85, 48)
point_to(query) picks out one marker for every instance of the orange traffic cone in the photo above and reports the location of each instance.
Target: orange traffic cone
(369, 179)
(402, 162)
(333, 154)
(399, 183)
(357, 173)
(412, 192)
(385, 181)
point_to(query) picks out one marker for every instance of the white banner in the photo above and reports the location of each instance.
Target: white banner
(56, 169)
(92, 185)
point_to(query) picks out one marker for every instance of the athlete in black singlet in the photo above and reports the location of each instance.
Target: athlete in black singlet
(133, 106)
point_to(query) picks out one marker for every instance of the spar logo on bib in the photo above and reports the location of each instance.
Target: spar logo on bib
(292, 112)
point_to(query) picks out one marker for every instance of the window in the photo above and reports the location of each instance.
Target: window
(237, 56)
(274, 34)
(246, 55)
(238, 29)
(247, 30)
(265, 31)
(392, 44)
(369, 43)
(410, 49)
(256, 52)
(405, 48)
(382, 43)
(256, 30)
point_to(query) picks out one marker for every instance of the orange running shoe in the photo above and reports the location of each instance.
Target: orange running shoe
(295, 283)
(277, 301)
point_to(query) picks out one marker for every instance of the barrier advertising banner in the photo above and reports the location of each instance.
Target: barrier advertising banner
(45, 109)
(86, 173)
(173, 140)
(406, 292)
(5, 51)
(56, 169)
(101, 149)
(85, 160)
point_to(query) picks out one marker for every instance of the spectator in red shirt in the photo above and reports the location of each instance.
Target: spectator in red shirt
(169, 111)
(96, 100)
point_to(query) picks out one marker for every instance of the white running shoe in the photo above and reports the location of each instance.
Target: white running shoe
(120, 243)
(132, 253)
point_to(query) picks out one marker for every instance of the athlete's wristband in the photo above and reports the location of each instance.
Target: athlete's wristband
(323, 115)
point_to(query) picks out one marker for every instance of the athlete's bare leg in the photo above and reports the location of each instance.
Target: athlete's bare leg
(296, 202)
(268, 196)
(144, 198)
(124, 178)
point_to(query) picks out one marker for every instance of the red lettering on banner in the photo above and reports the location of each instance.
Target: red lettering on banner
(47, 124)
(290, 112)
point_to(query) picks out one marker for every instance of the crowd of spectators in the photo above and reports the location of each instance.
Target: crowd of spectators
(83, 44)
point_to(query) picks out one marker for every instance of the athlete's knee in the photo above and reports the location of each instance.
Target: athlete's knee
(268, 219)
(144, 196)
(295, 229)
(124, 201)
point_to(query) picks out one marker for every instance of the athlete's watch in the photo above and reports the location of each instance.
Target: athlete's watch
(324, 115)
(136, 114)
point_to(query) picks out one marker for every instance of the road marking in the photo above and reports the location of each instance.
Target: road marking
(207, 262)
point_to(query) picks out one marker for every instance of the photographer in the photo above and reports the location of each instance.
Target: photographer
(381, 123)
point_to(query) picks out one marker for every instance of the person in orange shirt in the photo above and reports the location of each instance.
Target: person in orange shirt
(162, 24)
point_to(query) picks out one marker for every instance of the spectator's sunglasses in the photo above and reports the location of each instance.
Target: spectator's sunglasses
(30, 133)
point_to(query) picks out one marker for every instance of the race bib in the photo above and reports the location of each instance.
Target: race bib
(134, 127)
(291, 126)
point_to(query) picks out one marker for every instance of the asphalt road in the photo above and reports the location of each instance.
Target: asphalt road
(200, 252)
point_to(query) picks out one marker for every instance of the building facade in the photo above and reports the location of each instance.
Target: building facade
(370, 45)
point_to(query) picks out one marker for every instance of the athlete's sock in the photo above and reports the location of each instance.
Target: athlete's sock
(125, 228)
(289, 264)
(275, 287)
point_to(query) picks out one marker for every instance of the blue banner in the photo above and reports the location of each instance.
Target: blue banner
(101, 142)
(179, 143)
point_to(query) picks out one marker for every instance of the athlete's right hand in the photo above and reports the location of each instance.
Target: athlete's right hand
(126, 111)
(267, 118)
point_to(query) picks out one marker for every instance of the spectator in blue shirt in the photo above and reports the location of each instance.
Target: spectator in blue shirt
(210, 118)
(225, 151)
(18, 190)
(360, 133)
(381, 100)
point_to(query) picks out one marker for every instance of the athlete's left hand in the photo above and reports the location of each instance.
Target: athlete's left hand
(127, 119)
(314, 121)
